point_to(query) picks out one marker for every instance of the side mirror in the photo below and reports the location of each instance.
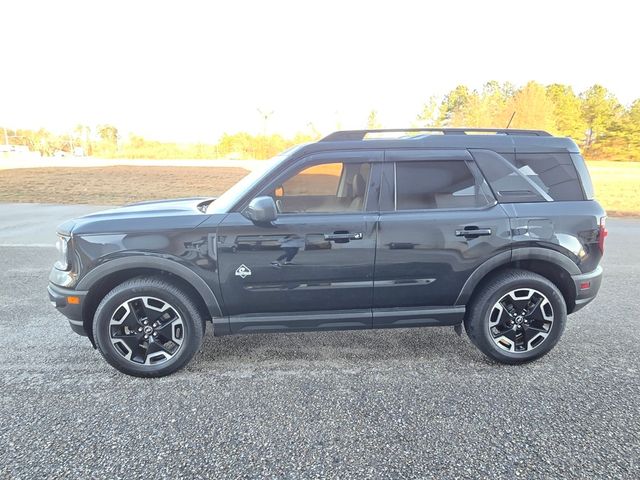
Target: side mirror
(261, 210)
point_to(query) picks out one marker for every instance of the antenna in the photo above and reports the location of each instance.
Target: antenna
(511, 119)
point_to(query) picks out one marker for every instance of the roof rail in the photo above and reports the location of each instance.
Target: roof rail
(355, 135)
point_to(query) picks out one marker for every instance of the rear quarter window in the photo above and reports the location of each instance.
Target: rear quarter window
(536, 177)
(554, 172)
(583, 173)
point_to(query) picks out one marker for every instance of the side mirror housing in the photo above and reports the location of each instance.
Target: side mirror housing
(261, 210)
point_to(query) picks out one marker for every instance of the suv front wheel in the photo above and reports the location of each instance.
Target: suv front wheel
(148, 327)
(517, 317)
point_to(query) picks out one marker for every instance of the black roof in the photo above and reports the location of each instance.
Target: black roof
(344, 135)
(502, 140)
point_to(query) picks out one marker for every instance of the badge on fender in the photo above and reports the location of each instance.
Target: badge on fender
(243, 271)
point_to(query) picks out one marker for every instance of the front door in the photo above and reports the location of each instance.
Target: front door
(312, 268)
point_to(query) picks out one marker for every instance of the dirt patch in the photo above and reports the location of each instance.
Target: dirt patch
(113, 185)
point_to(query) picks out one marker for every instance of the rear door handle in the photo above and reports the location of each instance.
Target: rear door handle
(471, 232)
(343, 236)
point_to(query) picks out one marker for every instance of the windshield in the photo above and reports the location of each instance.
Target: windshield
(229, 198)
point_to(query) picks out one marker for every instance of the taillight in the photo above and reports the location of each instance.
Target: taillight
(602, 234)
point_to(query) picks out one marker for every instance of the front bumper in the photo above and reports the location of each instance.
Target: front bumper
(73, 311)
(587, 286)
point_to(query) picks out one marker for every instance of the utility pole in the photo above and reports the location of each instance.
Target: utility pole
(265, 118)
(6, 136)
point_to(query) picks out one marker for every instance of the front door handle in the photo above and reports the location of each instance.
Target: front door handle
(473, 232)
(343, 236)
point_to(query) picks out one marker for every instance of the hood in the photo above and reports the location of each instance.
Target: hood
(181, 213)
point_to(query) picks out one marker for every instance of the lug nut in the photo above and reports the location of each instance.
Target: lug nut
(139, 329)
(145, 322)
(146, 336)
(155, 334)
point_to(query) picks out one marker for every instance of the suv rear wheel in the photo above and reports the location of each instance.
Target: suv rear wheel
(148, 327)
(517, 317)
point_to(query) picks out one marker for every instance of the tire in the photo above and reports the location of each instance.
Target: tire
(167, 341)
(496, 325)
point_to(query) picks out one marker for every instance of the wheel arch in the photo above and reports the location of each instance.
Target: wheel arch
(550, 264)
(102, 279)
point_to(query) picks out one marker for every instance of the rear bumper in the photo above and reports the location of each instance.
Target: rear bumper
(587, 286)
(59, 299)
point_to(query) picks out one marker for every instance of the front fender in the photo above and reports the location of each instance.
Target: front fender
(156, 263)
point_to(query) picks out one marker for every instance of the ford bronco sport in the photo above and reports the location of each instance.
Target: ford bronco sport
(494, 229)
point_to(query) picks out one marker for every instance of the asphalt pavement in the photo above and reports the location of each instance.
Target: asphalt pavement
(418, 403)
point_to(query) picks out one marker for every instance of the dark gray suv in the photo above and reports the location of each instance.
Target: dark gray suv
(494, 229)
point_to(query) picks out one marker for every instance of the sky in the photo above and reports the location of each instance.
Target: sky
(189, 71)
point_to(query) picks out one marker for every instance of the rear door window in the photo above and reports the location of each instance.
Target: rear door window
(436, 185)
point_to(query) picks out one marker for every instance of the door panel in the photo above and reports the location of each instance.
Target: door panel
(422, 261)
(426, 251)
(293, 267)
(304, 270)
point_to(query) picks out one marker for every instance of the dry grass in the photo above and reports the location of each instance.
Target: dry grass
(617, 184)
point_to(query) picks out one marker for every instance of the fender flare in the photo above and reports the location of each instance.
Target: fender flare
(156, 263)
(504, 258)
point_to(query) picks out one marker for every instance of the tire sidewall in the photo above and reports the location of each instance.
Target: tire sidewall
(123, 293)
(482, 312)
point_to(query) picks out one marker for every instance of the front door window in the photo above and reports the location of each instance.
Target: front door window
(324, 188)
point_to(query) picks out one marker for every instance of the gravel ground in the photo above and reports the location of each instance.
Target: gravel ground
(419, 403)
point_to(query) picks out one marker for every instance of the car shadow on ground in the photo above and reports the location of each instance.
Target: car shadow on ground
(394, 344)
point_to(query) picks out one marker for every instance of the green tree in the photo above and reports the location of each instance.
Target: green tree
(485, 108)
(82, 135)
(623, 140)
(108, 134)
(631, 129)
(567, 110)
(454, 106)
(372, 120)
(492, 104)
(429, 116)
(533, 108)
(599, 110)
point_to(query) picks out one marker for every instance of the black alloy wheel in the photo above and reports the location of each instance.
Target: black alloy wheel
(148, 326)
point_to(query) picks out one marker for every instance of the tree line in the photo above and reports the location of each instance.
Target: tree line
(105, 141)
(595, 119)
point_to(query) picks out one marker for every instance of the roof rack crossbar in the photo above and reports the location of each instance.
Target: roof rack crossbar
(356, 135)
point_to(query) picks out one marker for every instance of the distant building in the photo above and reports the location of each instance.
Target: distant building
(14, 148)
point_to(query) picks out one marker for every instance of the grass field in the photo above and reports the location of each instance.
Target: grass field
(617, 184)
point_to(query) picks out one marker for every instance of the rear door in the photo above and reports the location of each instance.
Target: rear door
(438, 223)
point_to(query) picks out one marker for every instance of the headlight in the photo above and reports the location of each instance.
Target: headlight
(62, 245)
